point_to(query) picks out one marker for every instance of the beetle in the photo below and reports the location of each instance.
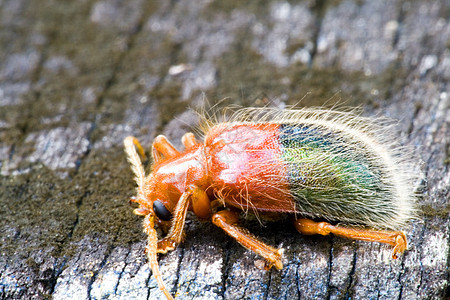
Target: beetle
(331, 171)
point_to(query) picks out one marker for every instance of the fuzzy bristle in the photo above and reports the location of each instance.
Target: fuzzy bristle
(342, 167)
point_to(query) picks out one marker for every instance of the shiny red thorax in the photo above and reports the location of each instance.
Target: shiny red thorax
(238, 163)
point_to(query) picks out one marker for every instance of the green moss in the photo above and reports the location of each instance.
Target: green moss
(42, 211)
(429, 210)
(107, 184)
(36, 210)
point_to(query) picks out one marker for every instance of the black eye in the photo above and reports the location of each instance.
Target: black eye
(161, 211)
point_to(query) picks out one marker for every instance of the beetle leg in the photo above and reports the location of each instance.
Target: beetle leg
(394, 238)
(162, 147)
(188, 140)
(226, 220)
(201, 205)
(175, 234)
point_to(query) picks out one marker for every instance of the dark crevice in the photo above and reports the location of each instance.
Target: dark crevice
(297, 278)
(417, 109)
(1, 276)
(319, 9)
(268, 285)
(190, 281)
(399, 278)
(121, 272)
(147, 283)
(129, 45)
(226, 267)
(400, 292)
(447, 291)
(12, 150)
(17, 234)
(56, 272)
(100, 267)
(400, 19)
(330, 267)
(433, 134)
(348, 292)
(177, 278)
(277, 241)
(245, 287)
(88, 150)
(40, 66)
(392, 89)
(78, 205)
(419, 246)
(378, 279)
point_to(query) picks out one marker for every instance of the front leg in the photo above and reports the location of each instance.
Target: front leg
(226, 220)
(200, 203)
(175, 234)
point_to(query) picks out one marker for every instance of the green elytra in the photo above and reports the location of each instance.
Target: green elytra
(334, 177)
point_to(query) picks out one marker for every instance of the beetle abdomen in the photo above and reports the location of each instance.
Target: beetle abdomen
(317, 163)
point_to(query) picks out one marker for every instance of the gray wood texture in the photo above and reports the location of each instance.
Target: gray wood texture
(76, 77)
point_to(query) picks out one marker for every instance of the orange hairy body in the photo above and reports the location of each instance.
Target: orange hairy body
(305, 164)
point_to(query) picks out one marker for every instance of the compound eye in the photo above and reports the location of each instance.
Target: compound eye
(161, 211)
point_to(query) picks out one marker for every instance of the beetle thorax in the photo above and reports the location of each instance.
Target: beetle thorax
(170, 178)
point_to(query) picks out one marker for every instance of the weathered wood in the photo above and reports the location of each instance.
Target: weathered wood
(76, 77)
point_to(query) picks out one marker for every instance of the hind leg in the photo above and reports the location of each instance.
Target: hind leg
(394, 238)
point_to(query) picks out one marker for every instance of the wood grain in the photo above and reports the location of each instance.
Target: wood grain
(76, 77)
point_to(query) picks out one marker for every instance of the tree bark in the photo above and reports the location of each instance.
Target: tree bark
(77, 77)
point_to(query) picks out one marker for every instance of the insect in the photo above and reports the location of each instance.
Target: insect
(321, 167)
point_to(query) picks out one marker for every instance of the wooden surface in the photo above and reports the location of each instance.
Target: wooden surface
(76, 77)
